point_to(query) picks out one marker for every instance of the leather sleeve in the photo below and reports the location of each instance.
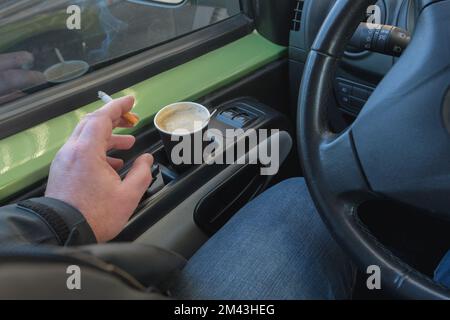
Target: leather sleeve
(44, 221)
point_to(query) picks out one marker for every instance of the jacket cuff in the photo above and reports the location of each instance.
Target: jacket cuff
(67, 222)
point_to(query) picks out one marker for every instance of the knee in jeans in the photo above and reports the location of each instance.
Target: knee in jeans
(290, 198)
(286, 206)
(294, 192)
(297, 184)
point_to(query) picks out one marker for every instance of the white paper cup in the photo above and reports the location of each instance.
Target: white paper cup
(172, 138)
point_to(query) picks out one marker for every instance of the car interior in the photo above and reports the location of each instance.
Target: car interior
(365, 123)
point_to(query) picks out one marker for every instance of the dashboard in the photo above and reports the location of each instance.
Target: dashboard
(360, 71)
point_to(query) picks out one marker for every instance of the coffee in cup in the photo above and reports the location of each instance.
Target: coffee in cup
(182, 127)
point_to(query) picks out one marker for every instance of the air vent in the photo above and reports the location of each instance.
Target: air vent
(297, 20)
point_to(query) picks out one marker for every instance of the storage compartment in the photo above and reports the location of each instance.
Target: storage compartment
(216, 208)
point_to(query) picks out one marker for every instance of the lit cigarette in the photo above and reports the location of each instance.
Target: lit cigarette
(132, 118)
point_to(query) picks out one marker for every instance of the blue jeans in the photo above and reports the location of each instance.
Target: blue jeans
(275, 248)
(442, 273)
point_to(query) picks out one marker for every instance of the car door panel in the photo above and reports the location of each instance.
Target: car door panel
(27, 155)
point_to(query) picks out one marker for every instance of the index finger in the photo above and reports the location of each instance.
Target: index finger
(97, 128)
(117, 108)
(111, 110)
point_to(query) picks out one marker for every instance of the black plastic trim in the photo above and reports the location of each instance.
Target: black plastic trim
(44, 105)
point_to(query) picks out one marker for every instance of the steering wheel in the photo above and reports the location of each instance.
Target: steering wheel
(398, 147)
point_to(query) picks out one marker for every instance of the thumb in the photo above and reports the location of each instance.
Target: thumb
(139, 177)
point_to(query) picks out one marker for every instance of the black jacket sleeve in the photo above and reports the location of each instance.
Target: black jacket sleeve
(44, 221)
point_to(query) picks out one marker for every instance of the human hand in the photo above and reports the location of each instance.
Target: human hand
(83, 176)
(15, 76)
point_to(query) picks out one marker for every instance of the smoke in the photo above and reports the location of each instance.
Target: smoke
(111, 27)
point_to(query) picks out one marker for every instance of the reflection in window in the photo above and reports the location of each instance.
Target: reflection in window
(37, 50)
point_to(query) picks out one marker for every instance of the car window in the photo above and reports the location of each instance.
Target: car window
(45, 43)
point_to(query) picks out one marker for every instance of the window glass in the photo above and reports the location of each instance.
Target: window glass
(44, 43)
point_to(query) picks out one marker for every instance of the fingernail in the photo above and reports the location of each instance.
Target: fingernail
(149, 157)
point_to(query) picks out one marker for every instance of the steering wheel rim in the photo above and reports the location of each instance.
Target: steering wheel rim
(342, 170)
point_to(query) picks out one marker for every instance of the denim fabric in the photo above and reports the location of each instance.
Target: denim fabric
(277, 247)
(442, 273)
